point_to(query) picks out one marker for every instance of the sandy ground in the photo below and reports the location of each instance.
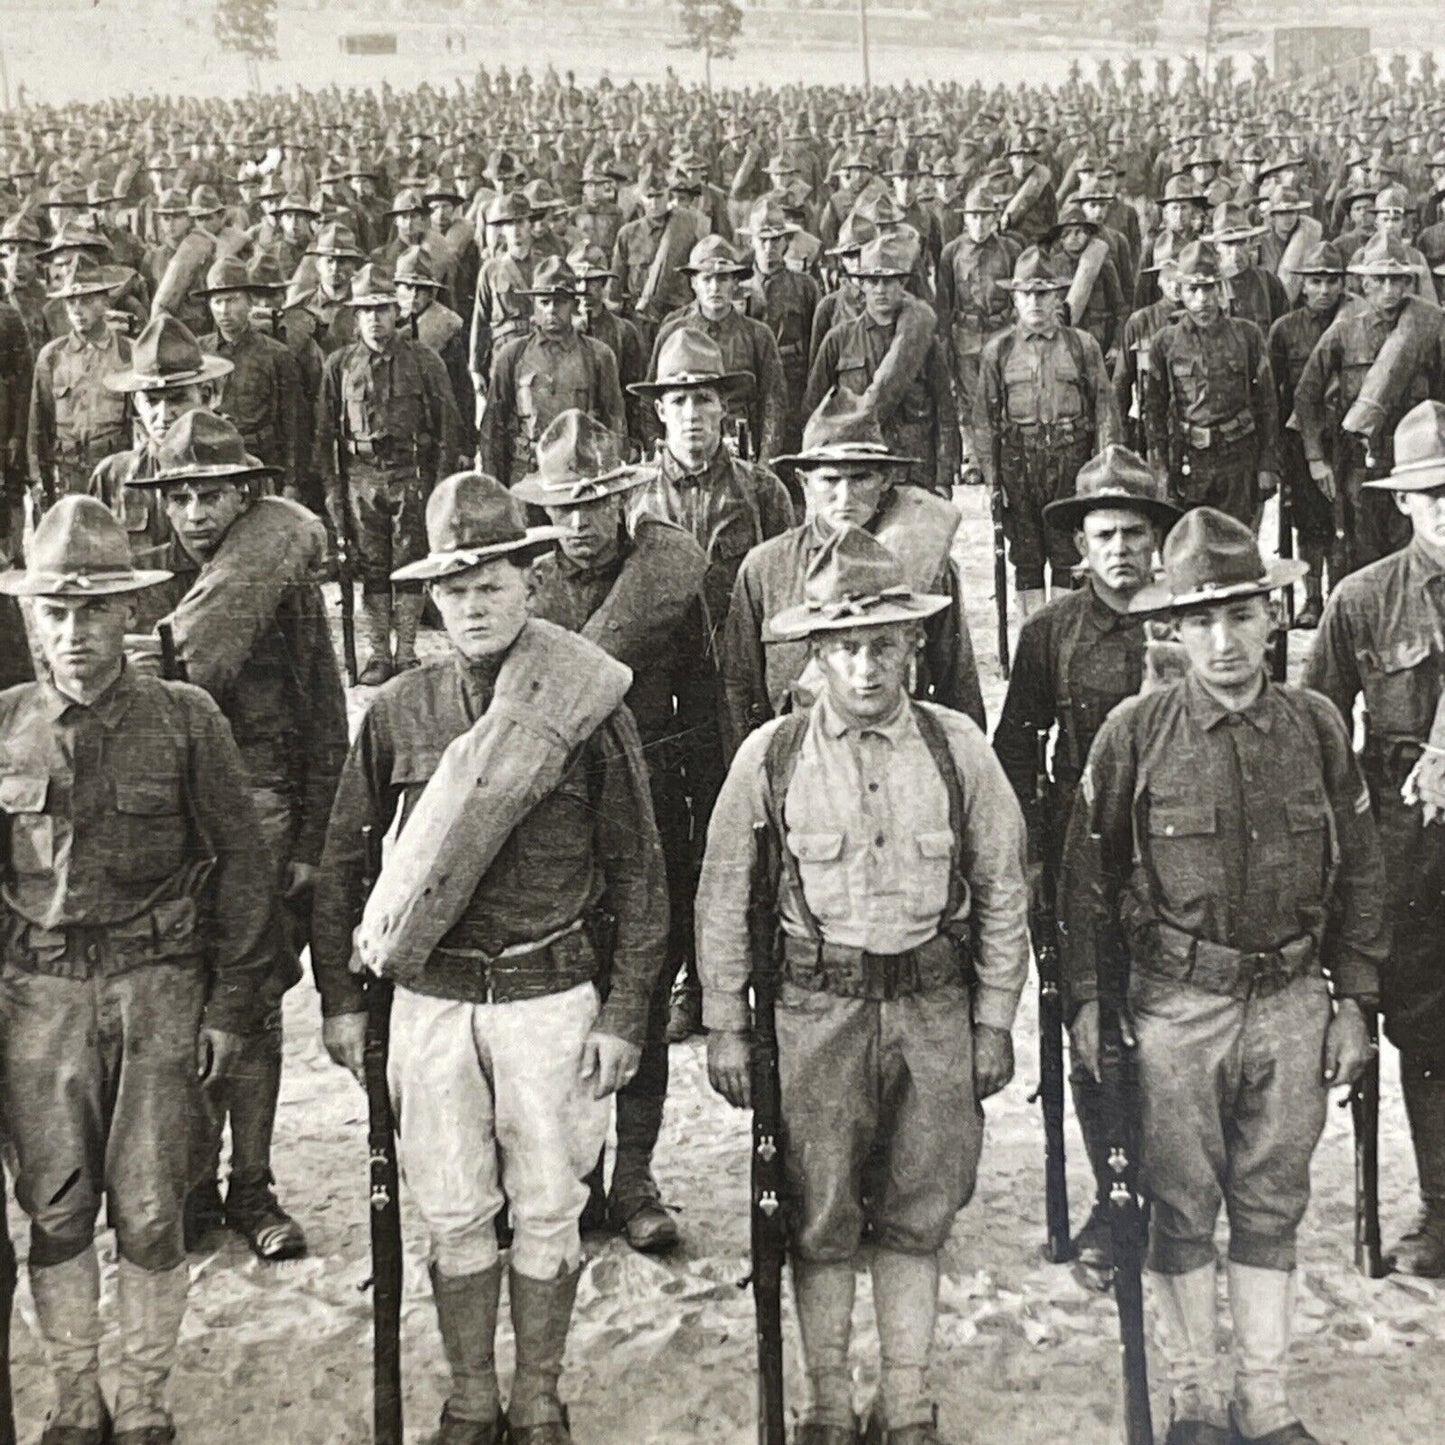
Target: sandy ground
(661, 1351)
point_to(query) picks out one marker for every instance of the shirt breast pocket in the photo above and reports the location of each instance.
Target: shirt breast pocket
(822, 870)
(1183, 850)
(150, 833)
(929, 868)
(1397, 686)
(32, 830)
(1189, 379)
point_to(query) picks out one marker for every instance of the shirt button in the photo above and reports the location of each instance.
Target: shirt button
(878, 841)
(872, 787)
(1169, 830)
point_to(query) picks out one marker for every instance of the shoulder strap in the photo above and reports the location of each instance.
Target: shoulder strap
(1075, 343)
(936, 740)
(779, 763)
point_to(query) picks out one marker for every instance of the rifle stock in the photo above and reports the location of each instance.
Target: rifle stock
(768, 1236)
(172, 668)
(1365, 1116)
(386, 1255)
(1043, 930)
(345, 551)
(1000, 569)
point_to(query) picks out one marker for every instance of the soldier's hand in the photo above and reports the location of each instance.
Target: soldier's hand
(344, 1038)
(1425, 787)
(1348, 1050)
(300, 880)
(728, 1066)
(993, 1060)
(1322, 474)
(608, 1062)
(1268, 486)
(216, 1051)
(1084, 1037)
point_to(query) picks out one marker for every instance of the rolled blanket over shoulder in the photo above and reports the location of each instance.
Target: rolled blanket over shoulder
(1086, 273)
(554, 690)
(1416, 332)
(1305, 237)
(912, 336)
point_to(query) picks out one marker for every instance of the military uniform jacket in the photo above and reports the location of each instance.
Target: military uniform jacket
(632, 262)
(785, 301)
(399, 398)
(621, 338)
(440, 328)
(1258, 296)
(1210, 388)
(184, 274)
(319, 319)
(73, 417)
(599, 224)
(534, 380)
(500, 312)
(264, 398)
(1139, 332)
(29, 300)
(972, 306)
(747, 346)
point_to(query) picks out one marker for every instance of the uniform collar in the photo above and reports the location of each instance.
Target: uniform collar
(108, 709)
(892, 729)
(1429, 569)
(1209, 712)
(674, 472)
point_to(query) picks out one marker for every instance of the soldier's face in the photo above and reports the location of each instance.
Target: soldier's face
(84, 313)
(590, 532)
(376, 326)
(231, 311)
(1226, 642)
(598, 193)
(295, 226)
(1426, 511)
(837, 496)
(412, 300)
(1358, 211)
(903, 187)
(1389, 222)
(202, 512)
(770, 252)
(335, 273)
(20, 266)
(552, 313)
(364, 186)
(412, 227)
(1386, 294)
(158, 409)
(1037, 308)
(1284, 223)
(714, 294)
(980, 225)
(1321, 292)
(1118, 547)
(1233, 256)
(1074, 239)
(443, 213)
(82, 639)
(654, 205)
(1201, 299)
(866, 668)
(883, 297)
(176, 228)
(692, 421)
(1182, 218)
(483, 609)
(1094, 211)
(516, 236)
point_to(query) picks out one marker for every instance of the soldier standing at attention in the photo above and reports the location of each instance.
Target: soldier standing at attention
(386, 401)
(903, 907)
(134, 913)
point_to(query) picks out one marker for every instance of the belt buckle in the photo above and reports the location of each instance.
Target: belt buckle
(874, 970)
(1266, 973)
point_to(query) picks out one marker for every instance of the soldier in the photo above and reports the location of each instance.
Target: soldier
(20, 246)
(1283, 209)
(1095, 301)
(172, 212)
(1392, 205)
(263, 396)
(251, 629)
(315, 310)
(295, 234)
(1209, 401)
(435, 324)
(728, 505)
(1377, 384)
(129, 297)
(1031, 209)
(650, 253)
(135, 923)
(209, 237)
(597, 320)
(848, 477)
(633, 588)
(1077, 659)
(1380, 638)
(891, 356)
(845, 302)
(973, 305)
(167, 374)
(535, 378)
(386, 403)
(461, 261)
(893, 899)
(786, 301)
(500, 1055)
(855, 177)
(1136, 352)
(1255, 294)
(1183, 212)
(502, 310)
(1221, 819)
(747, 345)
(412, 215)
(1043, 407)
(599, 217)
(1292, 339)
(74, 421)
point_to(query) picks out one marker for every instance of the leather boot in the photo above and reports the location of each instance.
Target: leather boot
(1421, 1252)
(67, 1304)
(824, 1294)
(1309, 615)
(152, 1303)
(467, 1316)
(636, 1206)
(685, 1016)
(1261, 1301)
(406, 614)
(541, 1313)
(1185, 1319)
(1094, 1243)
(376, 627)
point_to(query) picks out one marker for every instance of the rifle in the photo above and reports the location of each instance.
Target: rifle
(1000, 570)
(1043, 930)
(386, 1260)
(1128, 1211)
(768, 1238)
(172, 668)
(345, 550)
(1364, 1102)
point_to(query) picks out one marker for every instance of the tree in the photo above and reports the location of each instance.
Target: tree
(248, 27)
(710, 26)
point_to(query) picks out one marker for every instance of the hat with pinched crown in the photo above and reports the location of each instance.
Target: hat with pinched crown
(852, 580)
(1210, 557)
(886, 256)
(714, 256)
(1199, 264)
(227, 273)
(1382, 255)
(79, 549)
(338, 241)
(83, 276)
(690, 359)
(578, 461)
(589, 262)
(167, 355)
(408, 202)
(843, 431)
(1033, 273)
(1419, 451)
(553, 277)
(981, 199)
(471, 518)
(853, 235)
(1117, 479)
(1321, 260)
(414, 268)
(202, 446)
(371, 288)
(767, 219)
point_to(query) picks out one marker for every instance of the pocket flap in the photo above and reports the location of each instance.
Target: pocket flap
(20, 793)
(413, 766)
(1404, 655)
(816, 847)
(1305, 815)
(147, 797)
(935, 845)
(1180, 820)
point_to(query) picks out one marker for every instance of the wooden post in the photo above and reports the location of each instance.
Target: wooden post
(863, 43)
